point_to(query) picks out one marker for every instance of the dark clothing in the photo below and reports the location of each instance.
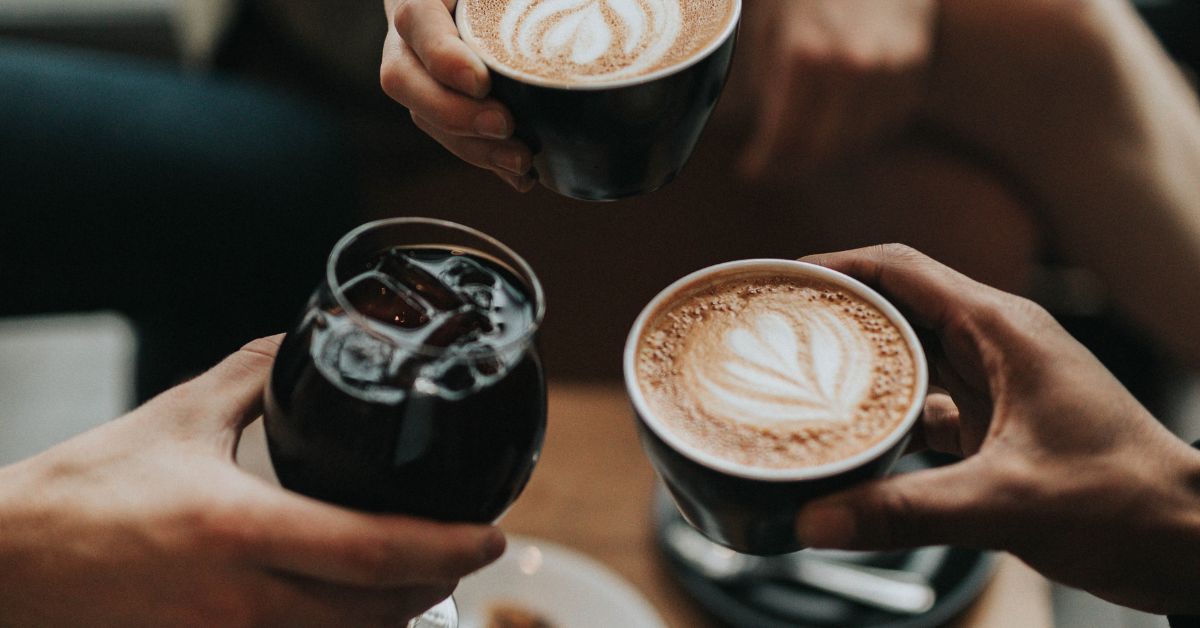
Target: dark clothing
(201, 208)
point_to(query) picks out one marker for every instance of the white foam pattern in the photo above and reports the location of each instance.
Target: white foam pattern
(598, 40)
(769, 367)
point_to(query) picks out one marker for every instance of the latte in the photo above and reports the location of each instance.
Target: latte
(773, 370)
(582, 42)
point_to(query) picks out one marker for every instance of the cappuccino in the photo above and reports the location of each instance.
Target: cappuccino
(772, 370)
(593, 42)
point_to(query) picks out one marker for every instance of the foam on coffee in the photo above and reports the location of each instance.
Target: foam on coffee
(775, 371)
(594, 41)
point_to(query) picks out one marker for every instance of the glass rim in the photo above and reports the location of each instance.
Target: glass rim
(522, 268)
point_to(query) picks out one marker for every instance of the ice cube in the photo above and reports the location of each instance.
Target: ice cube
(457, 327)
(374, 297)
(464, 271)
(408, 275)
(484, 360)
(362, 358)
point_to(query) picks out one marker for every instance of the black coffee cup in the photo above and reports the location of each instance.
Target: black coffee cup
(607, 141)
(751, 509)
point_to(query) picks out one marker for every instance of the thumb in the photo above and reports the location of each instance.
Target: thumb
(950, 505)
(232, 391)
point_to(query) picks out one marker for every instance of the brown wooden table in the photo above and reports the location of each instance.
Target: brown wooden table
(592, 492)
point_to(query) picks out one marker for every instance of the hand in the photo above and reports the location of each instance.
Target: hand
(147, 521)
(830, 77)
(427, 68)
(1063, 467)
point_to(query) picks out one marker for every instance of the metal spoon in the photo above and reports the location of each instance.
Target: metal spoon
(901, 592)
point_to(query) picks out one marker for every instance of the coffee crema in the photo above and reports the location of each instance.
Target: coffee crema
(594, 41)
(775, 371)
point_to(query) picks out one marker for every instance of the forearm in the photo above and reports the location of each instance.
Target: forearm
(1079, 104)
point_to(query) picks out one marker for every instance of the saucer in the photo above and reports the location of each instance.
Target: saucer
(957, 575)
(559, 585)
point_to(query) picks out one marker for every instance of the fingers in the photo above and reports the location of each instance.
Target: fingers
(520, 183)
(777, 105)
(406, 80)
(948, 505)
(509, 159)
(940, 426)
(934, 293)
(830, 124)
(428, 28)
(229, 395)
(335, 545)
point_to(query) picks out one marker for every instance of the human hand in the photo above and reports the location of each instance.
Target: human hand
(147, 520)
(830, 77)
(427, 68)
(1063, 467)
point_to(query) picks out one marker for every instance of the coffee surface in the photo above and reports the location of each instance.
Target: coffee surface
(594, 41)
(775, 371)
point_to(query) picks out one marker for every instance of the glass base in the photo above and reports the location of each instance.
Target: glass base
(444, 614)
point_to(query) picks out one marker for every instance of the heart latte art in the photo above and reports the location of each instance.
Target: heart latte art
(777, 372)
(594, 41)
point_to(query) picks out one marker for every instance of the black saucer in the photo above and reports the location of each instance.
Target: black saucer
(958, 575)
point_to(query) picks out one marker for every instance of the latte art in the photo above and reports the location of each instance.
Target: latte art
(585, 34)
(775, 371)
(782, 367)
(594, 41)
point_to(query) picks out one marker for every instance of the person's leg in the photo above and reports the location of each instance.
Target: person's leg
(201, 207)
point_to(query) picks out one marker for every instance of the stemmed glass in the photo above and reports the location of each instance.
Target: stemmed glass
(411, 382)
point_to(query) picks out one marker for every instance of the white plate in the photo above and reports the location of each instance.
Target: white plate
(561, 585)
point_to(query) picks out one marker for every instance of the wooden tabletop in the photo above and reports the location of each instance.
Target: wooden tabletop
(592, 491)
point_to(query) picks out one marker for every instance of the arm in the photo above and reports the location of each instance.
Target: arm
(828, 79)
(1076, 101)
(147, 520)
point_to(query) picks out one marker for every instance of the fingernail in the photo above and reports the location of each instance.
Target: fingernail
(509, 179)
(825, 525)
(491, 123)
(467, 82)
(510, 160)
(493, 545)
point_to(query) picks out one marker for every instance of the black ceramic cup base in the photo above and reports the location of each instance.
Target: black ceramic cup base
(958, 576)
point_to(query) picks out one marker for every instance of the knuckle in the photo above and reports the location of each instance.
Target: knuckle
(899, 252)
(406, 16)
(1013, 317)
(393, 81)
(441, 55)
(217, 526)
(372, 561)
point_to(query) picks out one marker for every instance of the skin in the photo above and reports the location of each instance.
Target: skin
(1076, 103)
(1070, 105)
(829, 79)
(444, 85)
(147, 520)
(1061, 465)
(852, 73)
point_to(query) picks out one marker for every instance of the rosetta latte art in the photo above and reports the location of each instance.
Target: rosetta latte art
(774, 371)
(592, 36)
(781, 368)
